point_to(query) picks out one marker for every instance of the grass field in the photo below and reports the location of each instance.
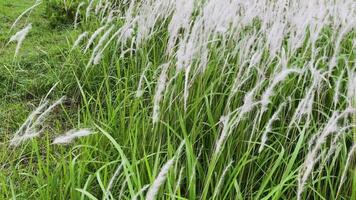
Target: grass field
(184, 99)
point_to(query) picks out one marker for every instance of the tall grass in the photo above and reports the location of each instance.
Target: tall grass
(261, 92)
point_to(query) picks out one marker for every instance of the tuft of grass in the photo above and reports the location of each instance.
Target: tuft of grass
(188, 100)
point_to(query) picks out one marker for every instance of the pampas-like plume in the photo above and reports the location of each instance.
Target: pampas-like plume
(113, 178)
(269, 128)
(77, 14)
(36, 119)
(139, 91)
(218, 186)
(97, 52)
(87, 13)
(265, 100)
(71, 135)
(144, 188)
(318, 140)
(79, 39)
(19, 37)
(161, 177)
(224, 120)
(37, 3)
(92, 38)
(161, 85)
(343, 176)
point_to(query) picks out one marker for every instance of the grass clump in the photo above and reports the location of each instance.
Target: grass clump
(182, 100)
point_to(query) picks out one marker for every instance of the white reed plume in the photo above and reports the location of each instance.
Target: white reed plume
(161, 85)
(268, 128)
(30, 128)
(92, 38)
(180, 19)
(77, 15)
(312, 156)
(37, 3)
(98, 6)
(180, 177)
(71, 135)
(97, 52)
(265, 99)
(43, 116)
(157, 183)
(350, 155)
(90, 6)
(139, 91)
(19, 37)
(144, 188)
(224, 120)
(79, 39)
(345, 29)
(112, 180)
(221, 180)
(248, 102)
(351, 88)
(337, 89)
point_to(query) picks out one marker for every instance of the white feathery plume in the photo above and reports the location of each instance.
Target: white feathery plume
(218, 186)
(112, 179)
(248, 102)
(97, 52)
(161, 85)
(43, 116)
(79, 39)
(139, 91)
(265, 99)
(350, 155)
(144, 188)
(98, 6)
(87, 13)
(37, 3)
(30, 128)
(312, 156)
(180, 19)
(104, 9)
(161, 177)
(351, 88)
(77, 15)
(269, 127)
(224, 120)
(71, 135)
(337, 89)
(19, 37)
(92, 38)
(179, 180)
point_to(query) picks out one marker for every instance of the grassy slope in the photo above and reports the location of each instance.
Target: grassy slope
(39, 170)
(23, 82)
(35, 71)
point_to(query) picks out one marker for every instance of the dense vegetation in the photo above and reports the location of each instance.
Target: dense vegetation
(177, 99)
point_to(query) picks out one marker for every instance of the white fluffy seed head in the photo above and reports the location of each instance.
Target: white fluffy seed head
(71, 135)
(269, 127)
(224, 120)
(161, 85)
(19, 37)
(80, 39)
(93, 37)
(34, 124)
(77, 14)
(265, 100)
(157, 183)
